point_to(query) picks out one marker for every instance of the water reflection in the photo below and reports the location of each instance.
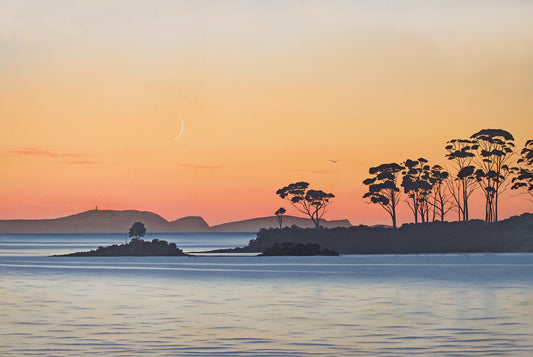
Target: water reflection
(128, 315)
(475, 305)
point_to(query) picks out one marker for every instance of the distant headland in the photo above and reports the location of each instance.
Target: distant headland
(112, 221)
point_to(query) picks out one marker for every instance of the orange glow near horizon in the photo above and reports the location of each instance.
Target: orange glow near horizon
(269, 93)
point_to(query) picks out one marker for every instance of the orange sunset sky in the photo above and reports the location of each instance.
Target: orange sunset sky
(269, 92)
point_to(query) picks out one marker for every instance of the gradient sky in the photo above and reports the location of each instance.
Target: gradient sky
(269, 92)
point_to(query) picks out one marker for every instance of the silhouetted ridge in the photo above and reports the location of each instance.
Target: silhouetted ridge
(111, 221)
(255, 224)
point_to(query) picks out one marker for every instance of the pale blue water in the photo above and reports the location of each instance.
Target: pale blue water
(444, 305)
(51, 244)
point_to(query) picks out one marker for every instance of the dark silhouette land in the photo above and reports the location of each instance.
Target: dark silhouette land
(513, 235)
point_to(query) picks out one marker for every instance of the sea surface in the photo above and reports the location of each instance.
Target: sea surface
(353, 305)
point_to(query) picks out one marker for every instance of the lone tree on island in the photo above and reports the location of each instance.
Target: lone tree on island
(279, 214)
(137, 230)
(310, 202)
(382, 188)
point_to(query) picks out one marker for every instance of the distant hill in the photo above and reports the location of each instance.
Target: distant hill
(255, 224)
(94, 221)
(188, 224)
(110, 221)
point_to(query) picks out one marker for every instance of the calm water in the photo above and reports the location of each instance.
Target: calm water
(445, 305)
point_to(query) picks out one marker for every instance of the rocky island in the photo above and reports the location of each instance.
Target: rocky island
(135, 248)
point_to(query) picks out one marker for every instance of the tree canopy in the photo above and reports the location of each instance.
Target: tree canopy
(417, 186)
(383, 188)
(463, 184)
(485, 161)
(313, 203)
(494, 152)
(524, 176)
(137, 230)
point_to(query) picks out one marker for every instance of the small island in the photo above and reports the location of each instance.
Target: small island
(135, 248)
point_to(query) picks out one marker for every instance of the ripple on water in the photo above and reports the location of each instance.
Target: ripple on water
(194, 308)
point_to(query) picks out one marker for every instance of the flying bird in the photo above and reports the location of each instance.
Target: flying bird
(334, 161)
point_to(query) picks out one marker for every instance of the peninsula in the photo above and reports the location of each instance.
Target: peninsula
(513, 235)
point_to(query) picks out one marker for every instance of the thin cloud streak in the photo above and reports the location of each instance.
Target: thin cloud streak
(46, 153)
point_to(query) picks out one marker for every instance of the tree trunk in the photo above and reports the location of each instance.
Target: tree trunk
(316, 220)
(415, 209)
(466, 214)
(393, 216)
(495, 212)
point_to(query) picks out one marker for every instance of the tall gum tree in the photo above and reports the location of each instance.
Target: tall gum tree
(313, 203)
(383, 188)
(440, 200)
(463, 183)
(494, 153)
(417, 187)
(523, 178)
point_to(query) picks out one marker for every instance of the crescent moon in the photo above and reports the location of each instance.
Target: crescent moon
(182, 128)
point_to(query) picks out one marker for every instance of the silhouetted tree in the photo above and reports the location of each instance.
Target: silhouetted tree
(463, 184)
(494, 152)
(383, 188)
(137, 230)
(524, 175)
(279, 214)
(310, 202)
(417, 187)
(440, 200)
